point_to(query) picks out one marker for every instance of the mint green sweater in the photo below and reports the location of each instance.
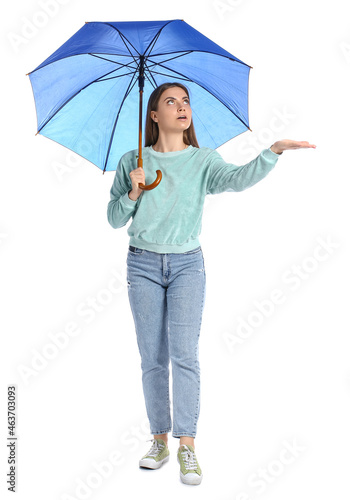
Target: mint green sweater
(168, 218)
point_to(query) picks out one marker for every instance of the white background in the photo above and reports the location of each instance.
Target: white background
(288, 380)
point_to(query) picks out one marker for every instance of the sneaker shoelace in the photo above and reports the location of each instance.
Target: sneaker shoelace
(189, 458)
(155, 449)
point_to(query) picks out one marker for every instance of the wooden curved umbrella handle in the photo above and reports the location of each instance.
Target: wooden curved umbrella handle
(154, 184)
(139, 156)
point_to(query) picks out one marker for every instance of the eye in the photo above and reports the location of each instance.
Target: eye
(172, 100)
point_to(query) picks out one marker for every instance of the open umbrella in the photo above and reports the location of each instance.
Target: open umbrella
(87, 93)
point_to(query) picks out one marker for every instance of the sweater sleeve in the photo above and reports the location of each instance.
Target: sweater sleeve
(121, 207)
(228, 177)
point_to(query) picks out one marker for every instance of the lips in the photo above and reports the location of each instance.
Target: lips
(182, 117)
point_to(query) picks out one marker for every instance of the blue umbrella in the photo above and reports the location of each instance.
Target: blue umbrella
(88, 94)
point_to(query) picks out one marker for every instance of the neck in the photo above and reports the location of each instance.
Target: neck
(169, 143)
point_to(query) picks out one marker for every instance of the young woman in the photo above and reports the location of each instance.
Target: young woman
(165, 266)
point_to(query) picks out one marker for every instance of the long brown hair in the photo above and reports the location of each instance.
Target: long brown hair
(151, 128)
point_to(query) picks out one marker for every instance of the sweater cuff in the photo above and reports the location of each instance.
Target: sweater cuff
(126, 200)
(271, 154)
(275, 154)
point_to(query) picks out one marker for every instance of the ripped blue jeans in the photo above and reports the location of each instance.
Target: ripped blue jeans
(167, 295)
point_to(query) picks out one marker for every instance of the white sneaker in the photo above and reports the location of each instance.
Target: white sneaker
(157, 455)
(190, 472)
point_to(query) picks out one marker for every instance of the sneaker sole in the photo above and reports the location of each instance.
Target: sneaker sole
(190, 478)
(150, 463)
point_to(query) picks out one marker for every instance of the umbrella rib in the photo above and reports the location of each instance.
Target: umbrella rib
(110, 60)
(153, 82)
(170, 76)
(160, 64)
(152, 42)
(206, 52)
(155, 64)
(72, 97)
(113, 77)
(103, 79)
(151, 72)
(74, 55)
(122, 37)
(163, 74)
(150, 47)
(107, 24)
(121, 66)
(156, 36)
(127, 92)
(172, 58)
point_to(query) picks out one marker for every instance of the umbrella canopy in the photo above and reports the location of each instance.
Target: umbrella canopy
(87, 93)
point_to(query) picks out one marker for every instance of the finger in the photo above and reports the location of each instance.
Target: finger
(306, 144)
(300, 144)
(137, 175)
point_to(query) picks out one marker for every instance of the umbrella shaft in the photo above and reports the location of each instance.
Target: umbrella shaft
(139, 159)
(141, 73)
(141, 84)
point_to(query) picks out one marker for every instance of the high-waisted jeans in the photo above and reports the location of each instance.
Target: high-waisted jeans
(167, 294)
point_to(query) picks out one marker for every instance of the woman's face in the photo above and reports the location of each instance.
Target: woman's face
(172, 104)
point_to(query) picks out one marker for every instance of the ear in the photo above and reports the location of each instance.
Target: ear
(153, 117)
